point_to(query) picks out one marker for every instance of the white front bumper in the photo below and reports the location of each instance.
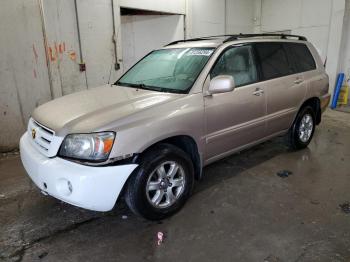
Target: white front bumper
(94, 188)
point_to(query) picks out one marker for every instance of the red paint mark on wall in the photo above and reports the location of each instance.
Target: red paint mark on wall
(49, 50)
(62, 47)
(72, 55)
(51, 54)
(57, 51)
(35, 54)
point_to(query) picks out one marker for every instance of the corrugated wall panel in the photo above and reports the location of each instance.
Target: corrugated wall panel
(24, 81)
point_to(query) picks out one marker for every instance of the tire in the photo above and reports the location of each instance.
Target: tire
(151, 190)
(303, 129)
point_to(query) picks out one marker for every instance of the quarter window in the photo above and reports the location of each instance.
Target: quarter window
(301, 56)
(273, 60)
(239, 63)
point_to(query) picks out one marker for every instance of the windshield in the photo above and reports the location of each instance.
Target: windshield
(167, 70)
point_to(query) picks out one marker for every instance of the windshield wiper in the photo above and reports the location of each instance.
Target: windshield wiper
(142, 86)
(151, 88)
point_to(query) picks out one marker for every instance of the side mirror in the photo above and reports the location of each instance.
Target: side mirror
(221, 84)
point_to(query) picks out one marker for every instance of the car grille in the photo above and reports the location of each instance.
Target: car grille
(43, 138)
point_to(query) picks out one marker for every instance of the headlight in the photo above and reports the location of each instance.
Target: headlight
(94, 147)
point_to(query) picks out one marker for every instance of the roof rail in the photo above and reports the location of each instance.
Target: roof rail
(239, 36)
(282, 36)
(197, 39)
(185, 40)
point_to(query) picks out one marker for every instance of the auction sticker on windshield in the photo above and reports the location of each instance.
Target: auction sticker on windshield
(202, 52)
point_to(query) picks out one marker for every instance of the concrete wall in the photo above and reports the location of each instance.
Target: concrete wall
(217, 17)
(205, 17)
(61, 35)
(319, 20)
(240, 16)
(334, 51)
(24, 81)
(96, 29)
(144, 33)
(345, 46)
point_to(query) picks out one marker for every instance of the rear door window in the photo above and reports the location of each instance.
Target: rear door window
(273, 60)
(301, 56)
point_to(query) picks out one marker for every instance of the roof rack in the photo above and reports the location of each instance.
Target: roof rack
(197, 39)
(239, 36)
(282, 36)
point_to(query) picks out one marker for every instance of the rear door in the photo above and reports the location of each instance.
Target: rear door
(313, 78)
(283, 85)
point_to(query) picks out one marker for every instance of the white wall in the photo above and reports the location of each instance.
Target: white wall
(144, 33)
(206, 17)
(299, 16)
(239, 16)
(345, 46)
(217, 17)
(334, 52)
(319, 20)
(96, 29)
(62, 41)
(24, 81)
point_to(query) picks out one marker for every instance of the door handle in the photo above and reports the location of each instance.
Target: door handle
(298, 81)
(258, 92)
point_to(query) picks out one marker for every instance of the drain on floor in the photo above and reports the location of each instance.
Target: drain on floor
(272, 258)
(284, 173)
(345, 207)
(42, 255)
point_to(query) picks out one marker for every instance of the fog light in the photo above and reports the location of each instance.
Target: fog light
(64, 187)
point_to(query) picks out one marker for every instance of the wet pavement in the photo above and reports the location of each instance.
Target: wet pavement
(241, 211)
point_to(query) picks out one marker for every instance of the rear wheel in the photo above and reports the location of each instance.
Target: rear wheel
(161, 184)
(303, 128)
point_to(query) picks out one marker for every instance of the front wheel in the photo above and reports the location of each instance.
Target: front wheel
(303, 128)
(161, 184)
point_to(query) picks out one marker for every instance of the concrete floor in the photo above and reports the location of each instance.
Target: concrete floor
(241, 211)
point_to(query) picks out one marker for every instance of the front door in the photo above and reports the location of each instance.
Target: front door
(237, 118)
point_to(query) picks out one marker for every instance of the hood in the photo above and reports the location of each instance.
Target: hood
(88, 111)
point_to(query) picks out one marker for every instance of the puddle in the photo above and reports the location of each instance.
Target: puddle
(284, 173)
(345, 207)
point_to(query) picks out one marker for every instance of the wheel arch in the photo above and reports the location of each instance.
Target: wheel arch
(315, 103)
(188, 145)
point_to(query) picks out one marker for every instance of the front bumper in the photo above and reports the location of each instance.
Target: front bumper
(94, 188)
